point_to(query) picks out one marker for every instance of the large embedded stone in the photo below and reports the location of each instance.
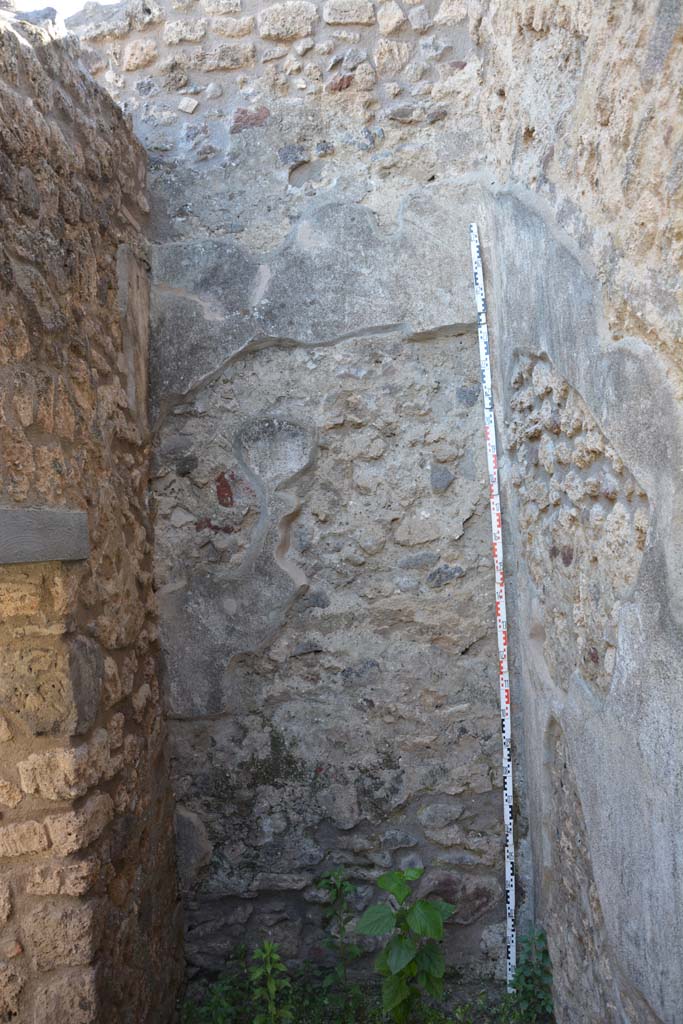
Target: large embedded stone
(292, 19)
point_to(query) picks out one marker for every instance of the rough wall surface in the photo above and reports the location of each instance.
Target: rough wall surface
(582, 107)
(87, 893)
(322, 534)
(311, 182)
(322, 518)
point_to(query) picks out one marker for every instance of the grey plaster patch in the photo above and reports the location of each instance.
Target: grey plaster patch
(43, 535)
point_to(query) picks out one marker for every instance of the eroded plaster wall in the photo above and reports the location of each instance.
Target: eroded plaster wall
(312, 179)
(322, 533)
(89, 930)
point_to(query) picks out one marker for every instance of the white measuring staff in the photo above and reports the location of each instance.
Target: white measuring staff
(501, 617)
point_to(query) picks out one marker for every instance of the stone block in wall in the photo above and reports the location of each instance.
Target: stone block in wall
(12, 980)
(451, 12)
(67, 773)
(53, 686)
(63, 879)
(234, 28)
(185, 30)
(10, 795)
(348, 12)
(391, 56)
(21, 838)
(292, 19)
(193, 846)
(75, 830)
(222, 6)
(229, 57)
(139, 54)
(63, 935)
(68, 998)
(390, 18)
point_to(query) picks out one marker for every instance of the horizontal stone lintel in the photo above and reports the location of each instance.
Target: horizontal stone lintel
(43, 535)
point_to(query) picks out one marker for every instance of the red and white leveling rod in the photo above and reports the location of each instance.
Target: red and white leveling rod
(501, 617)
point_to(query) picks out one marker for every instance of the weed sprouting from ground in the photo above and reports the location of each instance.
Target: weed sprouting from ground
(415, 978)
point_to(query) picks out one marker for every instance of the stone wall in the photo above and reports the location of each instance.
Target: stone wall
(324, 584)
(322, 533)
(87, 894)
(581, 110)
(311, 183)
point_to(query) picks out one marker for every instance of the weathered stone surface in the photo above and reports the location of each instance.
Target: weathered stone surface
(64, 774)
(390, 17)
(23, 837)
(234, 27)
(63, 936)
(185, 30)
(292, 19)
(12, 981)
(63, 879)
(10, 795)
(5, 902)
(222, 6)
(73, 353)
(140, 54)
(229, 56)
(270, 299)
(348, 12)
(76, 830)
(193, 847)
(390, 56)
(69, 998)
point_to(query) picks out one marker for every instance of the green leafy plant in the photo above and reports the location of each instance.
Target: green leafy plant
(532, 999)
(271, 988)
(224, 1001)
(338, 915)
(216, 1008)
(412, 964)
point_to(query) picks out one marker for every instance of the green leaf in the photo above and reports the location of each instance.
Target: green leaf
(445, 909)
(412, 874)
(431, 960)
(393, 882)
(424, 919)
(433, 986)
(394, 991)
(382, 962)
(377, 920)
(400, 951)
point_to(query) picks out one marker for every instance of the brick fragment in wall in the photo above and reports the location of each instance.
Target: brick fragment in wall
(22, 838)
(63, 879)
